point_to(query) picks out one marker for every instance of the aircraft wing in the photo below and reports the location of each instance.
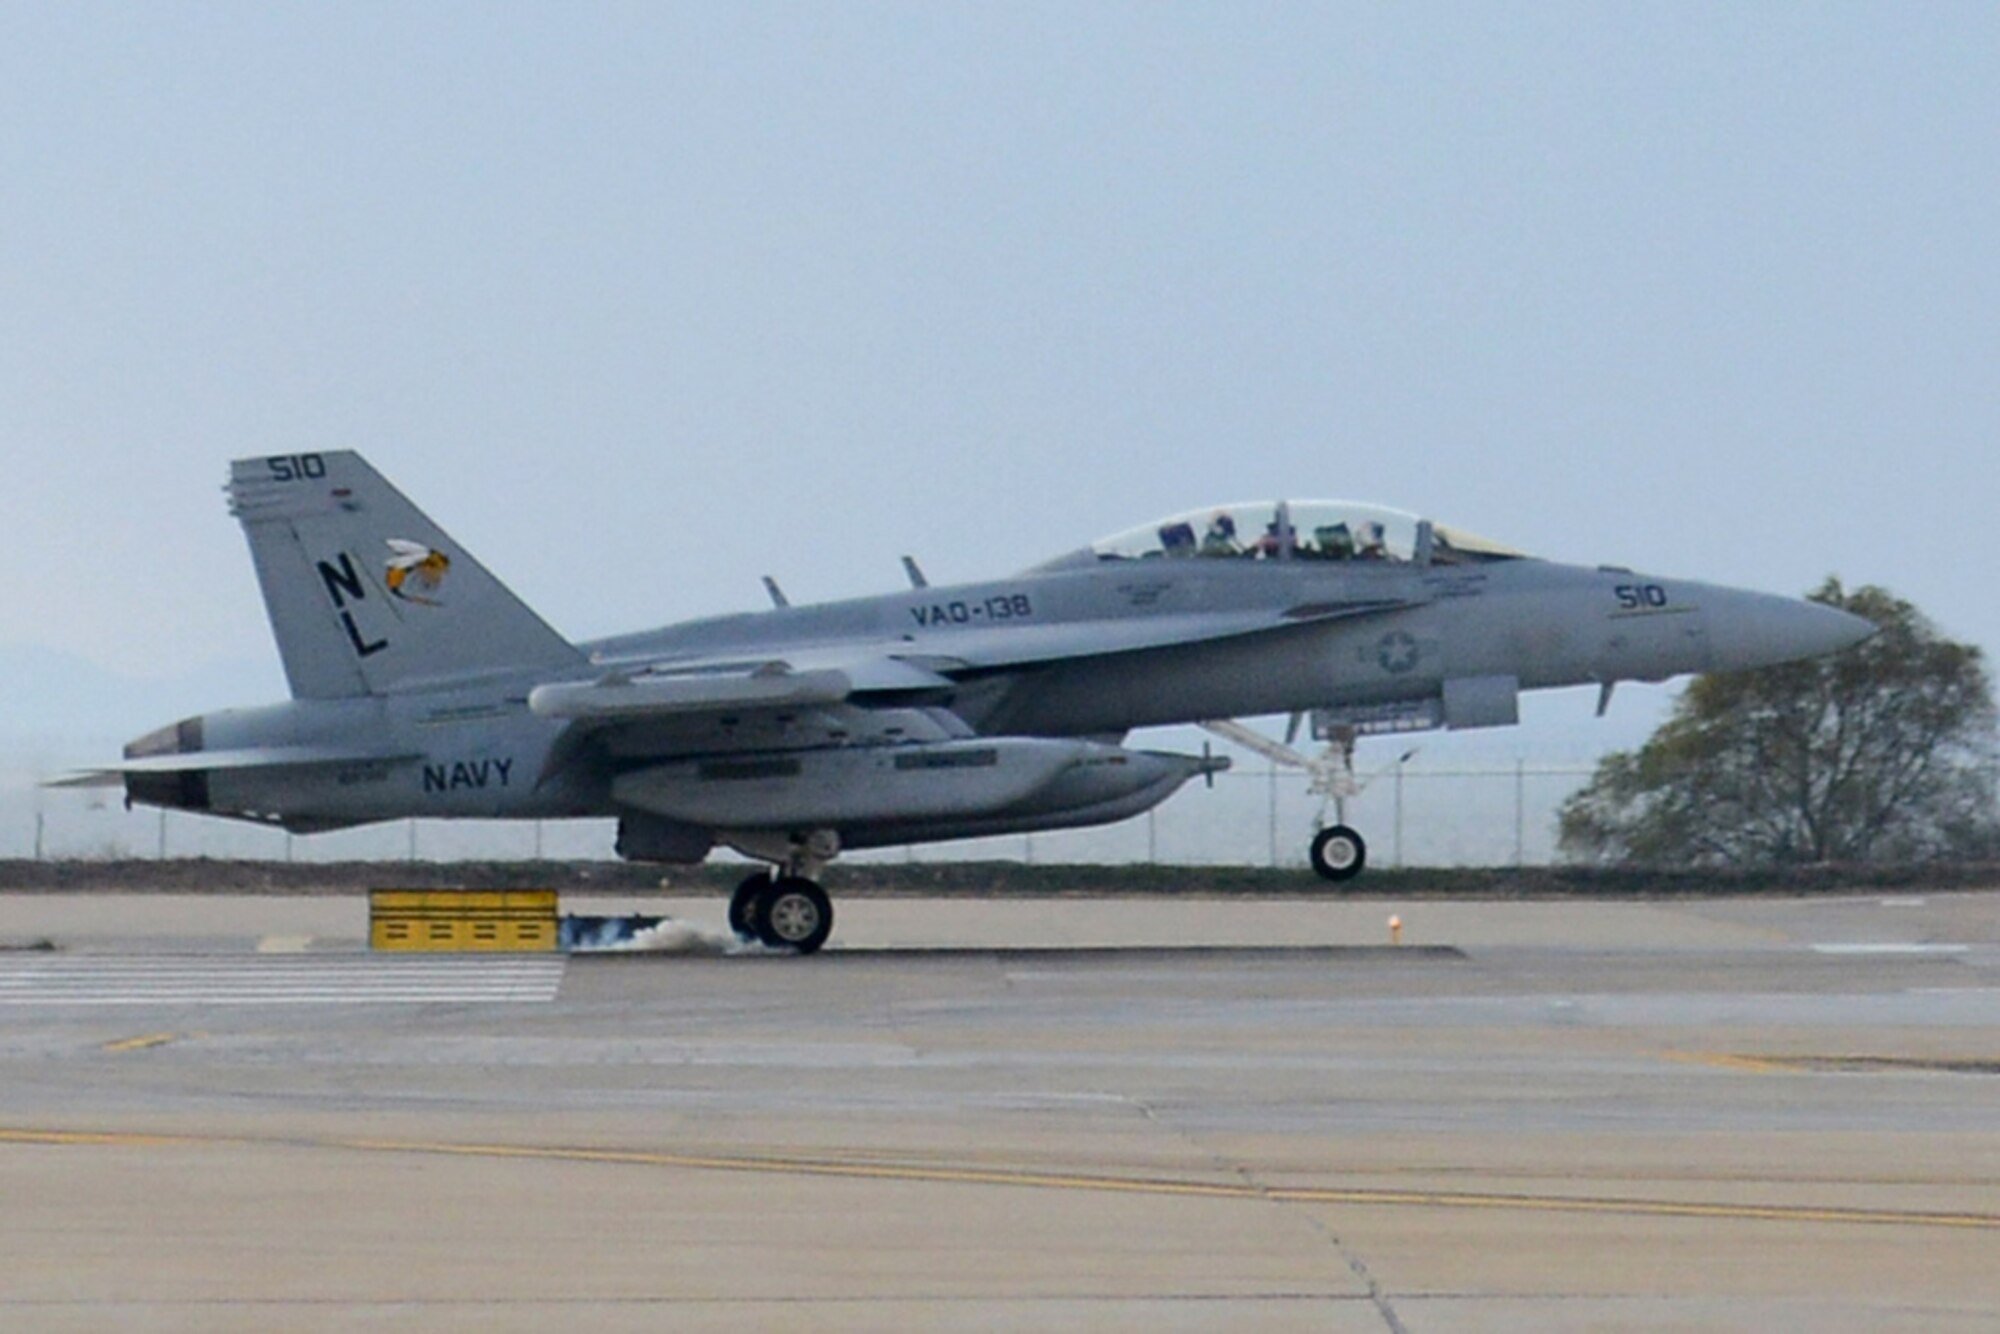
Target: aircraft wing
(1018, 645)
(206, 761)
(638, 689)
(899, 664)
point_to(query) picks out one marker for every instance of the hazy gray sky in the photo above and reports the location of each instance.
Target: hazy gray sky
(644, 301)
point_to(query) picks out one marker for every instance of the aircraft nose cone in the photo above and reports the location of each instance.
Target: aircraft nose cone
(1749, 630)
(1831, 629)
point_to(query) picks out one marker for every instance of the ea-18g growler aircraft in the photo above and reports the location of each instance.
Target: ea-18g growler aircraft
(422, 687)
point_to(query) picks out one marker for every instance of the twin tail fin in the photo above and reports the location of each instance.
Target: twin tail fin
(366, 594)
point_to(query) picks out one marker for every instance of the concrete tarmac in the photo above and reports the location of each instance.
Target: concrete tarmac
(220, 1114)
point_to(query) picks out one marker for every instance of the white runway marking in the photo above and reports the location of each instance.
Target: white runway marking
(1890, 947)
(278, 980)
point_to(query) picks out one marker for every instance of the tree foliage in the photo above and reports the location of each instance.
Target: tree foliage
(1881, 753)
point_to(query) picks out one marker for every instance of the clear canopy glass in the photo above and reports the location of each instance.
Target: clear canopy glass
(1321, 530)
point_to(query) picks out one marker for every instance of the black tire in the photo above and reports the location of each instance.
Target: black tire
(1338, 853)
(793, 913)
(745, 908)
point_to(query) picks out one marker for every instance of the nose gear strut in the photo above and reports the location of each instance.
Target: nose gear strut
(1337, 852)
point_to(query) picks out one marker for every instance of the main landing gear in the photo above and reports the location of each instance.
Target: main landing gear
(782, 911)
(785, 908)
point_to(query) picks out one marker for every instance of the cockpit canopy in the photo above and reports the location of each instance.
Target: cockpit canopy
(1316, 530)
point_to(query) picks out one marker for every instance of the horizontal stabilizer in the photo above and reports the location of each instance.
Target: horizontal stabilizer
(88, 778)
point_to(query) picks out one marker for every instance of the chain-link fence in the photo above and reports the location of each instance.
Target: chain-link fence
(1252, 815)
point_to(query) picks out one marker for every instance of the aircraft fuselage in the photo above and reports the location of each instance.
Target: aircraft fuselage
(478, 751)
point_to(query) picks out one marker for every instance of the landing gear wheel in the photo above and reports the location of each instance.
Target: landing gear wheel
(1338, 853)
(794, 913)
(745, 911)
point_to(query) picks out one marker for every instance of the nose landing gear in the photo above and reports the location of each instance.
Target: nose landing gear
(1337, 852)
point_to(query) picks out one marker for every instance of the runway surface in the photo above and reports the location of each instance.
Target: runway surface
(1718, 1115)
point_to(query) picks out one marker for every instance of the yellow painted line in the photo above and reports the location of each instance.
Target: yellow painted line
(1153, 1186)
(1724, 1061)
(1775, 1213)
(876, 1171)
(70, 1138)
(140, 1043)
(1824, 1065)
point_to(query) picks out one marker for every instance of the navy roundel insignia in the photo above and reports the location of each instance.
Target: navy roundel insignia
(1398, 653)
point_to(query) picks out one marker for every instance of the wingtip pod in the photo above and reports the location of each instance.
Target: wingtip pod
(365, 592)
(666, 695)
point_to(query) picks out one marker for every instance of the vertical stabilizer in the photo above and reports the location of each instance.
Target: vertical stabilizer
(365, 593)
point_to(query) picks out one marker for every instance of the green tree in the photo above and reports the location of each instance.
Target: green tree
(1881, 753)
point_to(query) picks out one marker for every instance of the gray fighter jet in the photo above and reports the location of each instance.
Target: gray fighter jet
(422, 687)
